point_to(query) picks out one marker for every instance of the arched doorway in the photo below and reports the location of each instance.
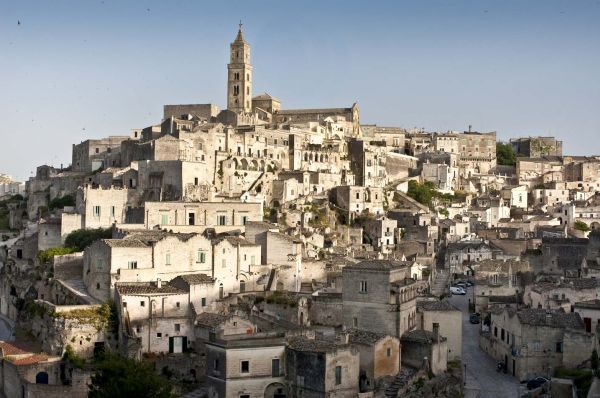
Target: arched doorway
(41, 378)
(275, 390)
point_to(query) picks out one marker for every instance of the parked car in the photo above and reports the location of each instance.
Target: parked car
(462, 285)
(536, 382)
(457, 290)
(469, 283)
(475, 318)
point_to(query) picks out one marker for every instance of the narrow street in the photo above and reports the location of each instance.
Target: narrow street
(482, 378)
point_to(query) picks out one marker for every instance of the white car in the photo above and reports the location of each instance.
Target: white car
(457, 290)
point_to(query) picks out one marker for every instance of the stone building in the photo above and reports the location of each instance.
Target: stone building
(459, 255)
(357, 199)
(25, 374)
(192, 215)
(449, 319)
(533, 342)
(536, 147)
(564, 293)
(589, 311)
(424, 349)
(318, 368)
(241, 365)
(379, 296)
(91, 155)
(154, 317)
(379, 356)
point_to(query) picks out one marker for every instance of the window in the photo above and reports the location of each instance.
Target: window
(124, 304)
(363, 287)
(158, 335)
(191, 218)
(242, 286)
(178, 327)
(112, 211)
(244, 220)
(216, 364)
(168, 258)
(252, 260)
(245, 366)
(355, 322)
(96, 211)
(203, 301)
(559, 347)
(132, 265)
(222, 220)
(97, 286)
(178, 304)
(389, 352)
(164, 219)
(196, 181)
(223, 263)
(142, 303)
(201, 257)
(338, 375)
(275, 367)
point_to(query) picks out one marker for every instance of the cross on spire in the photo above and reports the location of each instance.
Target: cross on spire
(241, 24)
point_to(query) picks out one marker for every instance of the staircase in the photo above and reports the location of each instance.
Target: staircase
(402, 379)
(439, 285)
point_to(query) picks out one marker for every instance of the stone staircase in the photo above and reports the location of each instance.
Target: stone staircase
(399, 383)
(440, 283)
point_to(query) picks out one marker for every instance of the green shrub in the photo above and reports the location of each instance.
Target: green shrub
(46, 256)
(60, 203)
(82, 238)
(581, 226)
(71, 357)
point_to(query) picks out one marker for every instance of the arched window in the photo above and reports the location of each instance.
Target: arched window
(242, 286)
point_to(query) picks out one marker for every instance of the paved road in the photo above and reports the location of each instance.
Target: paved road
(5, 330)
(482, 378)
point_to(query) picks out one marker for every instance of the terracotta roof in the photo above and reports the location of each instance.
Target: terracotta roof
(147, 288)
(30, 360)
(12, 348)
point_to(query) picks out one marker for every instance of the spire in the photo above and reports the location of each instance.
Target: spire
(240, 36)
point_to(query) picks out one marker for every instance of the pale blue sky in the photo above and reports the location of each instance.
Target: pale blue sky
(517, 67)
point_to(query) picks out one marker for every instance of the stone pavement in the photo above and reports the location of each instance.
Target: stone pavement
(482, 379)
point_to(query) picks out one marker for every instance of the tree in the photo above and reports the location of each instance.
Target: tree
(120, 377)
(505, 155)
(82, 238)
(60, 203)
(581, 226)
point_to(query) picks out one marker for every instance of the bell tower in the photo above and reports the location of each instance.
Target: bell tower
(239, 76)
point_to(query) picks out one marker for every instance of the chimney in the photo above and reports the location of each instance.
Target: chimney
(436, 331)
(158, 283)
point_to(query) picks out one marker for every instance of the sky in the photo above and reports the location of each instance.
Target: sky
(76, 70)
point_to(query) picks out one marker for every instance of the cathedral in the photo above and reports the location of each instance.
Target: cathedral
(263, 109)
